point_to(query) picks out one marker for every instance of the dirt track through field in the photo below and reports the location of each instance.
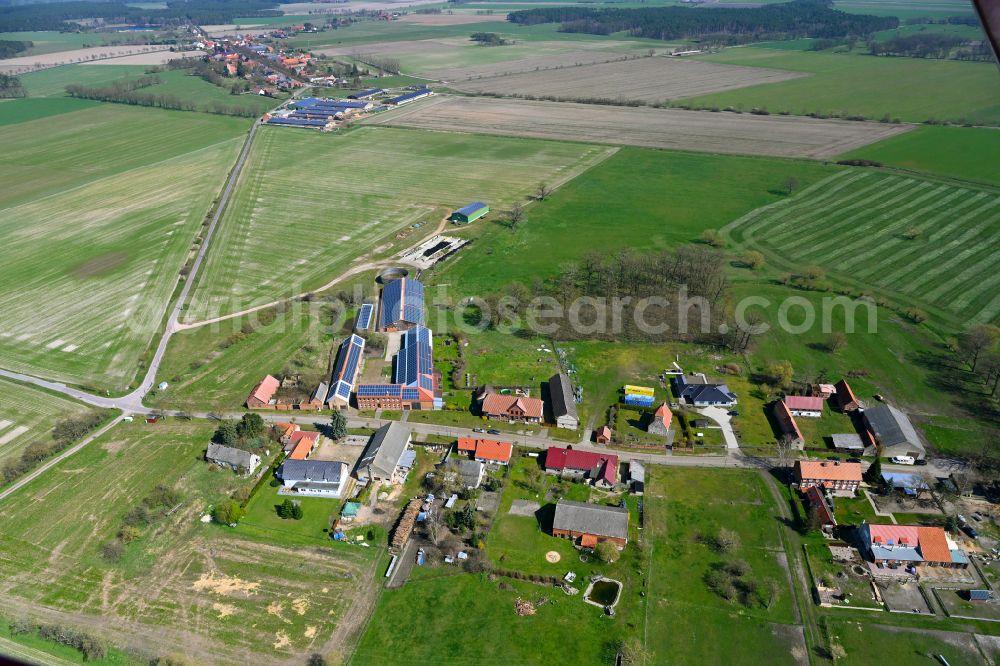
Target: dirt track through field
(538, 65)
(778, 136)
(654, 79)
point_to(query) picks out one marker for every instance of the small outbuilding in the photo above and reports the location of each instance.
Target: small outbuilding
(470, 213)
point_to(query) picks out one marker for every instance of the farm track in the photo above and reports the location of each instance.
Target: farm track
(675, 129)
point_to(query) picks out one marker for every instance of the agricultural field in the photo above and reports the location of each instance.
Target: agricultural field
(52, 82)
(99, 214)
(910, 645)
(31, 108)
(50, 41)
(279, 238)
(28, 63)
(184, 85)
(685, 509)
(964, 153)
(661, 200)
(778, 136)
(905, 9)
(182, 586)
(652, 80)
(27, 415)
(866, 86)
(918, 241)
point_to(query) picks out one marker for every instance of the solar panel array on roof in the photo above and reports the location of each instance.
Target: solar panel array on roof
(471, 208)
(345, 370)
(369, 92)
(379, 390)
(364, 317)
(402, 301)
(413, 302)
(410, 96)
(343, 390)
(297, 122)
(415, 359)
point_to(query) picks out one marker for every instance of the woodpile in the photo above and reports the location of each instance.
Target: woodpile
(523, 607)
(406, 523)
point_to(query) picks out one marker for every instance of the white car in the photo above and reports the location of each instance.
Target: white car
(903, 460)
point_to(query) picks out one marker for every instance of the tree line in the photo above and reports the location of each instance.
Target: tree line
(59, 15)
(800, 18)
(923, 45)
(64, 433)
(9, 48)
(129, 92)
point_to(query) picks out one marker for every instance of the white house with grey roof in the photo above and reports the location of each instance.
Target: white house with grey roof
(894, 433)
(698, 391)
(563, 402)
(386, 456)
(238, 460)
(320, 478)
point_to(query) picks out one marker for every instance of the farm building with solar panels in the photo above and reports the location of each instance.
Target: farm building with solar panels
(470, 213)
(364, 320)
(366, 94)
(416, 383)
(345, 372)
(401, 306)
(411, 96)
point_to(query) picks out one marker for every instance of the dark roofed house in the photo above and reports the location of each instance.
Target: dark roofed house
(322, 478)
(894, 432)
(637, 477)
(698, 391)
(819, 504)
(384, 458)
(318, 397)
(590, 524)
(238, 460)
(471, 472)
(563, 402)
(849, 442)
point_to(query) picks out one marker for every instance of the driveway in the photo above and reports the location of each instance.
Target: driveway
(721, 416)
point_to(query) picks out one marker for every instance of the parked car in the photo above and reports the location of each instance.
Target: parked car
(970, 530)
(903, 460)
(478, 430)
(493, 431)
(854, 460)
(733, 412)
(920, 461)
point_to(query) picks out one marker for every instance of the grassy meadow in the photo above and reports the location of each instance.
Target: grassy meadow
(52, 82)
(185, 586)
(963, 153)
(27, 415)
(639, 198)
(857, 224)
(864, 85)
(99, 213)
(683, 507)
(308, 203)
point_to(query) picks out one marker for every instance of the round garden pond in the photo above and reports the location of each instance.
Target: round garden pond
(603, 592)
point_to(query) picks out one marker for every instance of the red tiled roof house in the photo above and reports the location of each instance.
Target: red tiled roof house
(827, 474)
(845, 397)
(512, 408)
(262, 395)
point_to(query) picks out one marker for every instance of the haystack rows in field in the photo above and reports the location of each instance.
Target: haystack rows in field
(654, 79)
(923, 241)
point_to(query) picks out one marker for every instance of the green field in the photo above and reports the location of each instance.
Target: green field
(183, 586)
(52, 42)
(905, 9)
(99, 212)
(29, 108)
(639, 198)
(308, 203)
(864, 86)
(853, 224)
(682, 504)
(52, 82)
(184, 85)
(957, 152)
(28, 414)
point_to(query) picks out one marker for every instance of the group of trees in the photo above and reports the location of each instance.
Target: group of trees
(65, 432)
(246, 434)
(665, 295)
(489, 39)
(978, 348)
(91, 647)
(921, 45)
(156, 504)
(10, 48)
(60, 15)
(289, 509)
(10, 86)
(800, 18)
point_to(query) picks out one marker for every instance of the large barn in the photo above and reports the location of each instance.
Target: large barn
(402, 305)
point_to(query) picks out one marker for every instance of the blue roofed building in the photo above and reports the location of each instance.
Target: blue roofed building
(401, 305)
(411, 96)
(470, 213)
(345, 372)
(364, 320)
(366, 93)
